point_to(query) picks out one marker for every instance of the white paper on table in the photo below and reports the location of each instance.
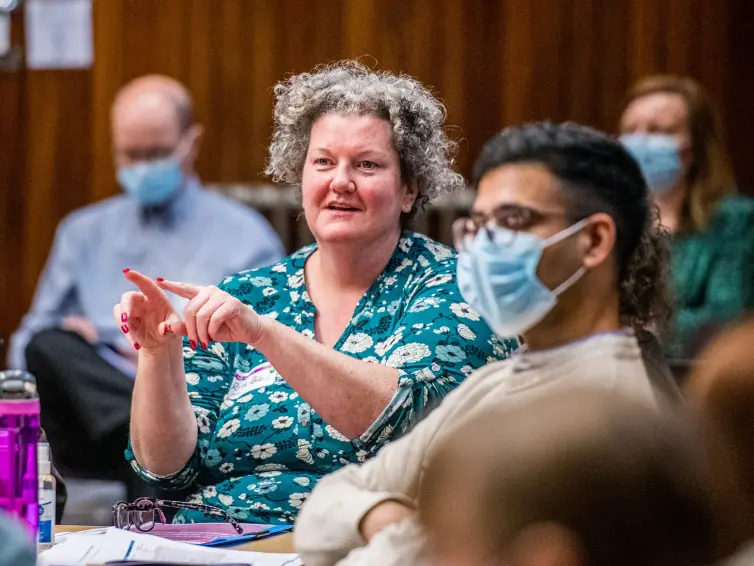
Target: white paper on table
(118, 544)
(4, 34)
(59, 34)
(62, 537)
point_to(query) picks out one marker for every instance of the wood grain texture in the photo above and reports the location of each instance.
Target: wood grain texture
(494, 63)
(12, 174)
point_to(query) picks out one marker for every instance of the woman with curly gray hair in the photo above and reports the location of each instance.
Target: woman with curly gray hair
(291, 371)
(413, 116)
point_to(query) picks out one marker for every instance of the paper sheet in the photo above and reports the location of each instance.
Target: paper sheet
(59, 34)
(4, 34)
(116, 544)
(192, 533)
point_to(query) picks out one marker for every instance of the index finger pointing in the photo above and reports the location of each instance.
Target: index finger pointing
(144, 283)
(181, 289)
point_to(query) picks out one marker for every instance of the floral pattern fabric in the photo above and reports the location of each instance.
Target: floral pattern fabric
(261, 448)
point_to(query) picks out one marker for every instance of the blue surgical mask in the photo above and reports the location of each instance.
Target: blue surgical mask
(659, 157)
(152, 182)
(497, 276)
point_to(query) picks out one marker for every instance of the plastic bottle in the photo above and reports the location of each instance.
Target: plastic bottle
(19, 433)
(46, 498)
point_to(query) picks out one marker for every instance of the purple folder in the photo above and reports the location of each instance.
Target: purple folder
(201, 533)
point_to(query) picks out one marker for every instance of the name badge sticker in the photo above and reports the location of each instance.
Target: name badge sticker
(259, 376)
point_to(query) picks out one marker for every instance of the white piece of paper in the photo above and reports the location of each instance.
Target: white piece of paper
(62, 537)
(4, 34)
(59, 34)
(116, 544)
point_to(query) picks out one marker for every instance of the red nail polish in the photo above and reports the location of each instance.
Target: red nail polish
(124, 328)
(137, 346)
(124, 317)
(159, 279)
(192, 344)
(126, 270)
(204, 346)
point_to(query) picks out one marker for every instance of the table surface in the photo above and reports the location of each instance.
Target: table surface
(277, 543)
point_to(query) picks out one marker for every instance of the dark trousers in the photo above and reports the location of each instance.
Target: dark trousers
(86, 404)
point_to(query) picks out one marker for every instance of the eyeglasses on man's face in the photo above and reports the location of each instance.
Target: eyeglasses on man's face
(513, 218)
(144, 513)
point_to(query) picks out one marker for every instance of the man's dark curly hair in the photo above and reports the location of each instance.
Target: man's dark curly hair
(597, 174)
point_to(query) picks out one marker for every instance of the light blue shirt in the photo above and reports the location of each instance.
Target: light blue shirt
(201, 237)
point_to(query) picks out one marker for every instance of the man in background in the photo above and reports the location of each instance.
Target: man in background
(164, 225)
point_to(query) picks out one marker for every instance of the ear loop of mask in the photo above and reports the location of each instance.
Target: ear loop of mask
(181, 150)
(559, 237)
(563, 234)
(565, 285)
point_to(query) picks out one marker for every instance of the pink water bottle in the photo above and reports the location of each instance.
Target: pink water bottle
(19, 433)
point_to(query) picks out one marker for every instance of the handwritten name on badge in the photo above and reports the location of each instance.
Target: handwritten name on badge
(260, 376)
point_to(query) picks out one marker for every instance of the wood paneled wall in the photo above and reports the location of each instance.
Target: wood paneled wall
(494, 62)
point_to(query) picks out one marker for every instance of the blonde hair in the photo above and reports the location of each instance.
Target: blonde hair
(710, 177)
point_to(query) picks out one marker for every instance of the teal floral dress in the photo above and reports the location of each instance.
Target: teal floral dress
(261, 447)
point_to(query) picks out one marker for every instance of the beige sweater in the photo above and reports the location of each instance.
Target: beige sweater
(327, 529)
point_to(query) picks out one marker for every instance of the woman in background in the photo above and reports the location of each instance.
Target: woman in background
(674, 132)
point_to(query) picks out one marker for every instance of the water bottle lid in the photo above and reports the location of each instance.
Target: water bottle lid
(17, 384)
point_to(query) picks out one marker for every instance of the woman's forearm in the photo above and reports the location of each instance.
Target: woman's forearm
(163, 425)
(349, 394)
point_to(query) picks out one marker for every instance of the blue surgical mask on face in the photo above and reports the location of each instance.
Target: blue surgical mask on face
(659, 157)
(497, 276)
(152, 182)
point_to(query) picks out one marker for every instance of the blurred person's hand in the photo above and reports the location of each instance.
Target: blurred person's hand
(383, 514)
(81, 326)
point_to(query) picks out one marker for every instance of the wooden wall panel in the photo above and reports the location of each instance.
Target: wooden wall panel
(56, 162)
(108, 74)
(613, 62)
(580, 28)
(494, 63)
(738, 109)
(12, 160)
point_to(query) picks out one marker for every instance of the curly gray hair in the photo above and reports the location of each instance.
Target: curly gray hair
(416, 119)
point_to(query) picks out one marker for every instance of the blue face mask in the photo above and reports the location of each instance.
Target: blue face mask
(497, 276)
(659, 158)
(152, 182)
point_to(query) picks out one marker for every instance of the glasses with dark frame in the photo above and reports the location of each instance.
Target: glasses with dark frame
(512, 217)
(144, 513)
